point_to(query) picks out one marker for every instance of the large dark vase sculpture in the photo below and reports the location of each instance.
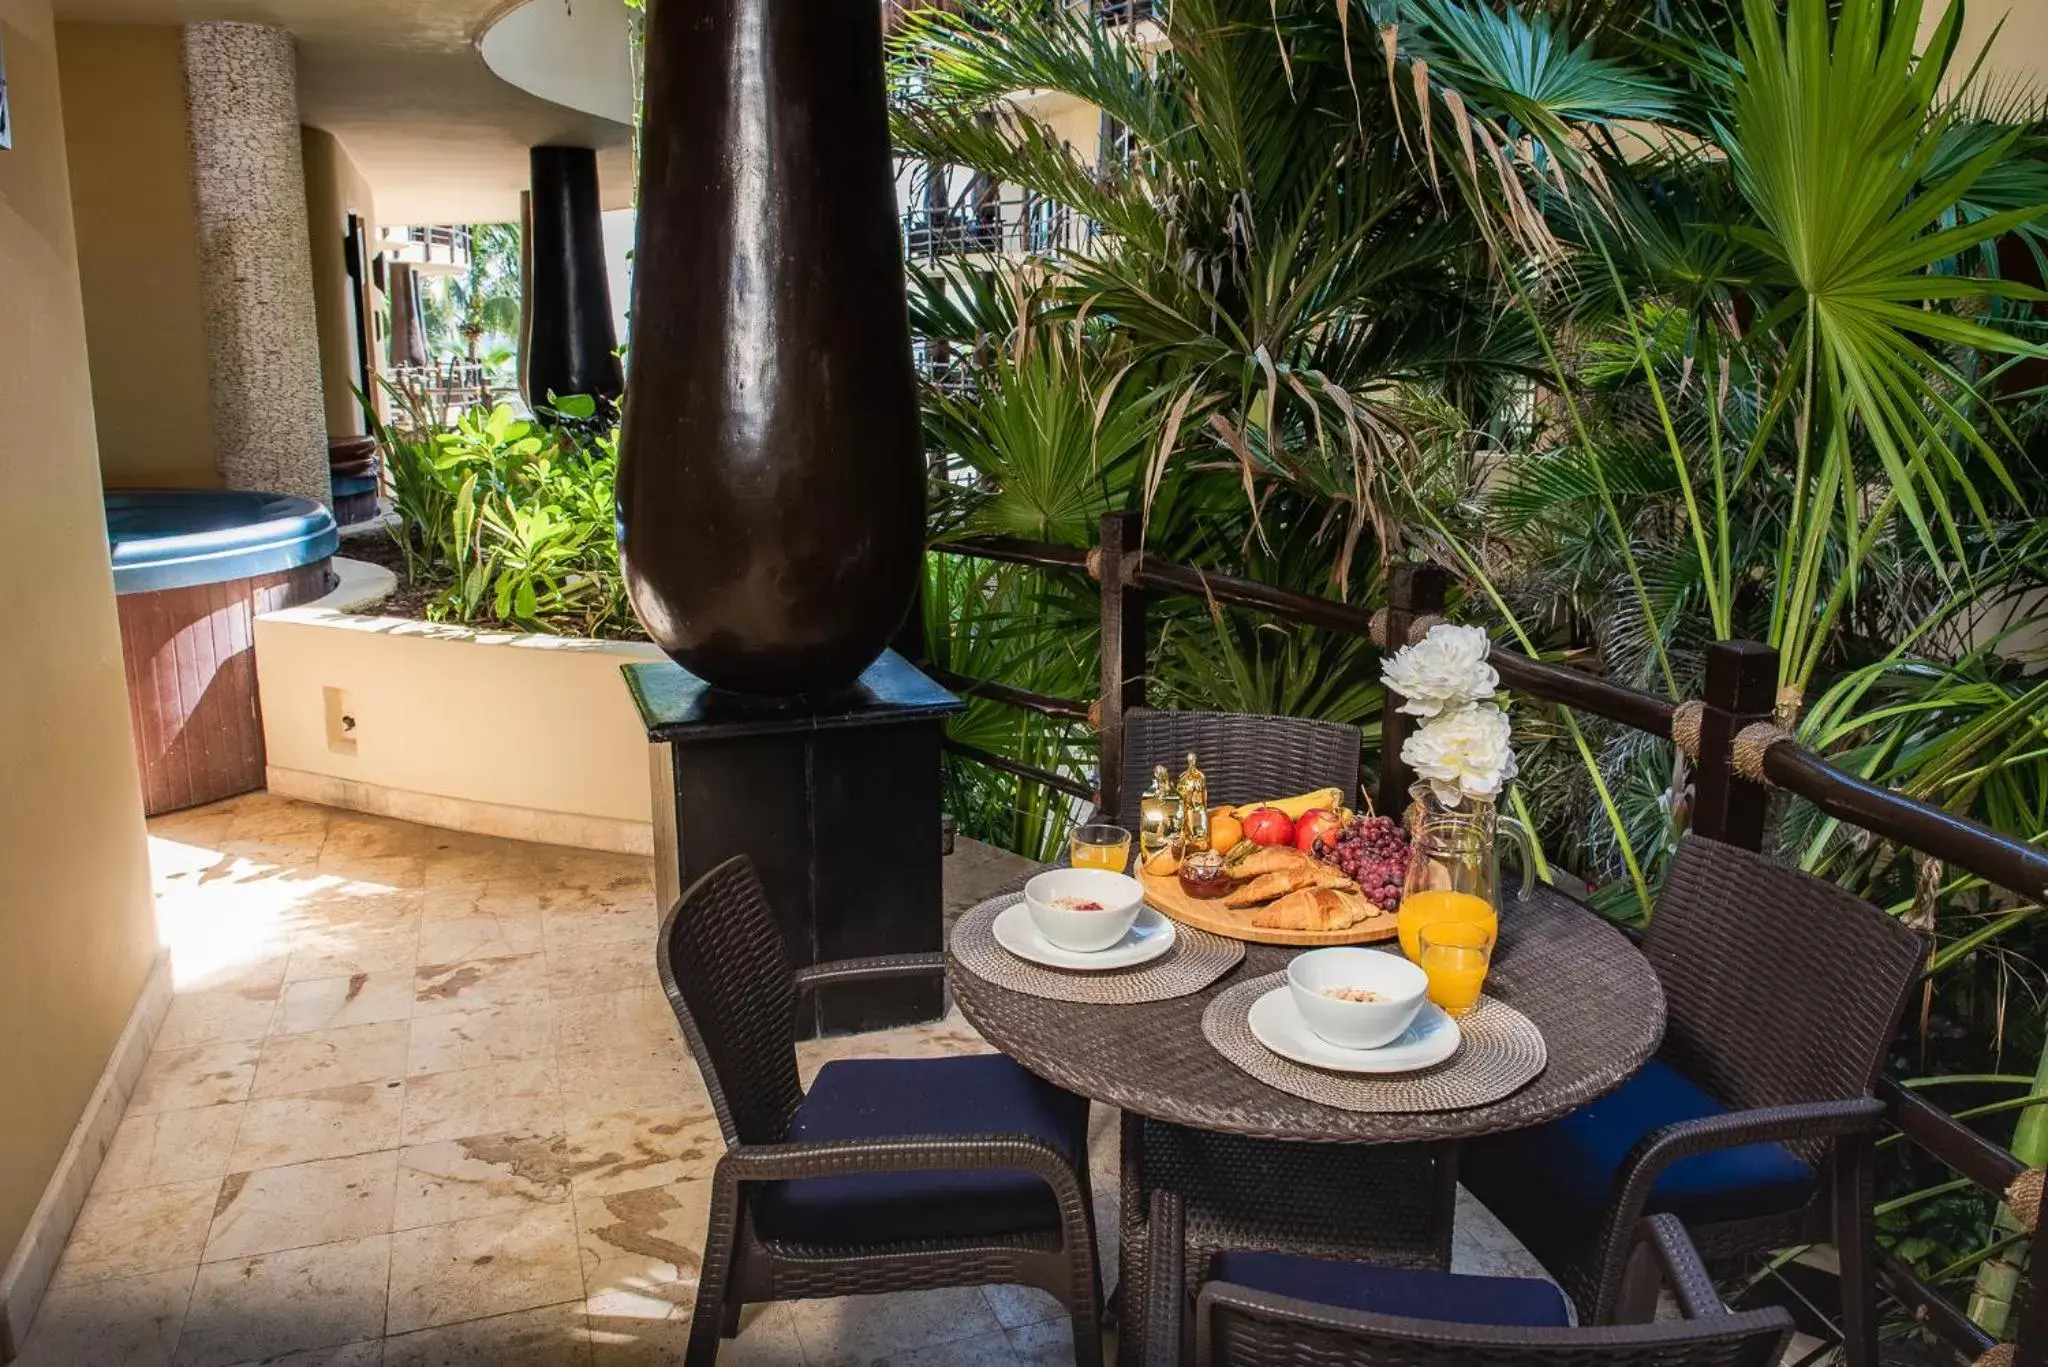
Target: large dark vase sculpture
(771, 506)
(571, 347)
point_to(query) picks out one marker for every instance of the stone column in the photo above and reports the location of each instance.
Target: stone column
(255, 258)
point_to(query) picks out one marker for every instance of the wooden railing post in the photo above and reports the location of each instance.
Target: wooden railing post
(1123, 647)
(1741, 686)
(1412, 591)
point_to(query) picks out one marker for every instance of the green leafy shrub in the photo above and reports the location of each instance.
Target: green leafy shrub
(510, 517)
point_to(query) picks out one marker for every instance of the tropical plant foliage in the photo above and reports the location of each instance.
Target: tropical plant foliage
(510, 517)
(481, 303)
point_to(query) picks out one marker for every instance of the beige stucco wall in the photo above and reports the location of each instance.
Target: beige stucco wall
(1077, 124)
(2012, 36)
(75, 910)
(530, 737)
(334, 190)
(131, 196)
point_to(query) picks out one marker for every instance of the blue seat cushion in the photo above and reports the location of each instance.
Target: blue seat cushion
(894, 1098)
(1523, 1302)
(1563, 1172)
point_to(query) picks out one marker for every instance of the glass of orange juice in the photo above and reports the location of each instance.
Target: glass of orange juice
(1455, 956)
(1101, 846)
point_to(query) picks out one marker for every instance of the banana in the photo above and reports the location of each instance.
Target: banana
(1295, 806)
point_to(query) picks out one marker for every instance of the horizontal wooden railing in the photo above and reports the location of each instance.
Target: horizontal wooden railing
(1044, 704)
(1731, 781)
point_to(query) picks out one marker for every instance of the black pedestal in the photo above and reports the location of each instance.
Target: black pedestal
(835, 799)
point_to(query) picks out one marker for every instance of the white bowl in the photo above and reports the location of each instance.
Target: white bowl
(1401, 986)
(1086, 931)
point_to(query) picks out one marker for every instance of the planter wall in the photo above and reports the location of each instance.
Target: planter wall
(527, 737)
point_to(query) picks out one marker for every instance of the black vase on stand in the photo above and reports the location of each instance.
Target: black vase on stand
(771, 481)
(771, 490)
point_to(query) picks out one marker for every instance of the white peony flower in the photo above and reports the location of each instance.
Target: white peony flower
(1443, 672)
(1463, 754)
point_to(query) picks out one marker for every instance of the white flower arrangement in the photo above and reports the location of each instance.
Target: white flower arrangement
(1463, 749)
(1466, 754)
(1445, 671)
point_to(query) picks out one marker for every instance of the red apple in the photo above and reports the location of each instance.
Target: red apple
(1313, 825)
(1269, 826)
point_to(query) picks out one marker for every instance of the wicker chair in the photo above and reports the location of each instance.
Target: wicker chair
(890, 1174)
(1756, 1123)
(1238, 1192)
(1243, 756)
(1290, 1311)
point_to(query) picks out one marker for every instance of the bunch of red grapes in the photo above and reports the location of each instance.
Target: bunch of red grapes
(1373, 852)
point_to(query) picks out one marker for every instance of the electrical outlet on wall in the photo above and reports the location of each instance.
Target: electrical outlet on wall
(341, 720)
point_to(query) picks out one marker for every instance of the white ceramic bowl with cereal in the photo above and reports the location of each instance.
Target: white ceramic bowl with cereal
(1083, 909)
(1356, 998)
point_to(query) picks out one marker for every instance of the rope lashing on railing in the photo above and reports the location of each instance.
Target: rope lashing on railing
(1685, 727)
(2023, 1197)
(1418, 627)
(1095, 714)
(2001, 1355)
(1095, 563)
(1752, 743)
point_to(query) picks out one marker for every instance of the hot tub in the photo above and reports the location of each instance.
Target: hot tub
(192, 568)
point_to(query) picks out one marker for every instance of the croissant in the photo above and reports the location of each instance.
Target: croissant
(1311, 909)
(1270, 859)
(1268, 886)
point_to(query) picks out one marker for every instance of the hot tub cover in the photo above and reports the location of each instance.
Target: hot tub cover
(175, 538)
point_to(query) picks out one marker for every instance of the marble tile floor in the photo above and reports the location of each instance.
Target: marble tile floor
(419, 1102)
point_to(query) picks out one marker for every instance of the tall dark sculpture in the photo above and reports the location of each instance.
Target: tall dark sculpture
(571, 346)
(771, 506)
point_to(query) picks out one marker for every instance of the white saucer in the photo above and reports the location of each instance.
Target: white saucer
(1276, 1023)
(1150, 936)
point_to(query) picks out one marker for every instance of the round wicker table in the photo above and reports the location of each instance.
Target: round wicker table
(1578, 978)
(1258, 1168)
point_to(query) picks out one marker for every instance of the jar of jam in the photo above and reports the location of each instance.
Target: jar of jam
(1202, 875)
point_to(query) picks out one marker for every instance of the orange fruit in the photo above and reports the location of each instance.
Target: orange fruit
(1225, 830)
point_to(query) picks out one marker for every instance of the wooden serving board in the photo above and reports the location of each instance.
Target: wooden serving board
(1164, 892)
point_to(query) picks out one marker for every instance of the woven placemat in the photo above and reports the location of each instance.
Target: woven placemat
(1500, 1052)
(1196, 960)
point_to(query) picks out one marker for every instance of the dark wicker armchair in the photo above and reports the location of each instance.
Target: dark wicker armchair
(890, 1174)
(1243, 756)
(1756, 1123)
(1257, 1310)
(1392, 1202)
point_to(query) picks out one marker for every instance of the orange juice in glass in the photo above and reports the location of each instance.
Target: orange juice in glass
(1454, 957)
(1101, 846)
